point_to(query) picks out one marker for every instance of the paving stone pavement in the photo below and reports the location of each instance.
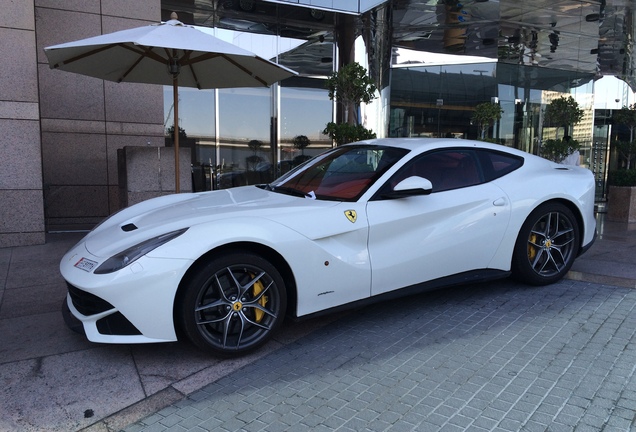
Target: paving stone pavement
(489, 357)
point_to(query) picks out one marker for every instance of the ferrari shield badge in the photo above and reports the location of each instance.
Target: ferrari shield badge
(351, 215)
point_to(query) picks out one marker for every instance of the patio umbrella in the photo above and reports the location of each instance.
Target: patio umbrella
(169, 53)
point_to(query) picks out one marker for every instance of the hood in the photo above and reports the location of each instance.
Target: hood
(169, 213)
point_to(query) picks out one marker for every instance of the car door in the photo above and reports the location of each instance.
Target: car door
(456, 228)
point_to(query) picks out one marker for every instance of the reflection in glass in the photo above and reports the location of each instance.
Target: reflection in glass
(253, 135)
(244, 136)
(439, 100)
(305, 111)
(197, 128)
(350, 6)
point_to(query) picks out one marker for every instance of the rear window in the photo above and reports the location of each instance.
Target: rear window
(497, 164)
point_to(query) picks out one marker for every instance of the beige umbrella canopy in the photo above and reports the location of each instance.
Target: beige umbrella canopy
(169, 53)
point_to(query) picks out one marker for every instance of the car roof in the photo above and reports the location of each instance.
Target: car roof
(424, 144)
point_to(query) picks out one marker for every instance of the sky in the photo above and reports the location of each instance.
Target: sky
(612, 93)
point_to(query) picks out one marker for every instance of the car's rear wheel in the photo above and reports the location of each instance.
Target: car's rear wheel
(547, 245)
(232, 304)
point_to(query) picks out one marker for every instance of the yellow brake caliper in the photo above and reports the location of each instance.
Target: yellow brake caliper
(532, 249)
(257, 289)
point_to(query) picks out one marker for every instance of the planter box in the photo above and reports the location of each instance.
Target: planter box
(622, 204)
(148, 172)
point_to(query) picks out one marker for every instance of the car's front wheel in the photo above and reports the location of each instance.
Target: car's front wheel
(547, 245)
(232, 304)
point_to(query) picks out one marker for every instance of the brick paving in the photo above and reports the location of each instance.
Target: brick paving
(490, 357)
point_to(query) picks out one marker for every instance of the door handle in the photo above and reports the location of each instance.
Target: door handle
(499, 202)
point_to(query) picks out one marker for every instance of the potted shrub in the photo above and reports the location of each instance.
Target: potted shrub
(558, 150)
(485, 115)
(622, 195)
(350, 87)
(622, 181)
(301, 142)
(626, 116)
(563, 112)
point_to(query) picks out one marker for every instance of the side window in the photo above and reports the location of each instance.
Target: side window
(498, 164)
(446, 169)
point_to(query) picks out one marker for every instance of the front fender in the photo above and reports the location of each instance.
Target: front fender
(327, 272)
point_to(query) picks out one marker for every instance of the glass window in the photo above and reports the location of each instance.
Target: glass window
(446, 169)
(244, 136)
(496, 164)
(355, 6)
(342, 174)
(197, 130)
(301, 134)
(438, 101)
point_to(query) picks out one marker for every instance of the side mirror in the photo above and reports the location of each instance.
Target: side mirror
(410, 186)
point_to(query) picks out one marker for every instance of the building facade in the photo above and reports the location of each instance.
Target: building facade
(61, 132)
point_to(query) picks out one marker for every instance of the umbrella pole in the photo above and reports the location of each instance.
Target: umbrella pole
(175, 95)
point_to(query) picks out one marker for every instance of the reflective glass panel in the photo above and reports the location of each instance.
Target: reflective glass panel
(305, 111)
(244, 136)
(351, 6)
(197, 127)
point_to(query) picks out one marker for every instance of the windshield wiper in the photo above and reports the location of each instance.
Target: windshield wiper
(288, 191)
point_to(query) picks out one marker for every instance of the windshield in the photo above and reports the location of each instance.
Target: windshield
(342, 174)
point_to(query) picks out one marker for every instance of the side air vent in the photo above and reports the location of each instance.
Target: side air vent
(129, 227)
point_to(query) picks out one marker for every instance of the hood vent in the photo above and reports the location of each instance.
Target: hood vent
(129, 227)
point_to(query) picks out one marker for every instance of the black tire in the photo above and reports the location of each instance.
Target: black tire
(232, 304)
(547, 245)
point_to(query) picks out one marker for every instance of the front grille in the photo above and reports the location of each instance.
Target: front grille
(87, 304)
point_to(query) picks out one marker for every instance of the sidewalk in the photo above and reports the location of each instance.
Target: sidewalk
(612, 259)
(54, 380)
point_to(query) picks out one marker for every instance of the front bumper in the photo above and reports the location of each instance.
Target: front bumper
(132, 305)
(587, 247)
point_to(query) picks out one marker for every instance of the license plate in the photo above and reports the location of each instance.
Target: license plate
(85, 264)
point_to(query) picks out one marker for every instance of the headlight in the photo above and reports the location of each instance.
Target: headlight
(132, 254)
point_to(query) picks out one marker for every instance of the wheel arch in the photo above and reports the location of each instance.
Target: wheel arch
(528, 275)
(264, 251)
(576, 211)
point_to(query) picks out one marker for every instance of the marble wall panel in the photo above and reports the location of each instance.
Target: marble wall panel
(65, 95)
(76, 201)
(140, 9)
(17, 51)
(55, 26)
(134, 103)
(21, 218)
(20, 155)
(74, 159)
(90, 6)
(17, 15)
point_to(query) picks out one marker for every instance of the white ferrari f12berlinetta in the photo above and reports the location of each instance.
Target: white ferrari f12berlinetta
(358, 223)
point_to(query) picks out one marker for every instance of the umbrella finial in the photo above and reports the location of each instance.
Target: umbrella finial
(173, 16)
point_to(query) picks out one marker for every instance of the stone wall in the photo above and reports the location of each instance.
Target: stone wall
(86, 120)
(59, 131)
(21, 207)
